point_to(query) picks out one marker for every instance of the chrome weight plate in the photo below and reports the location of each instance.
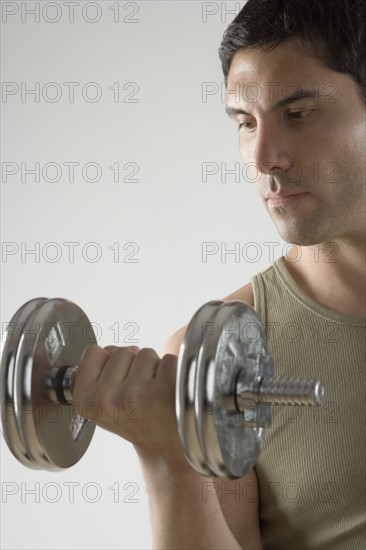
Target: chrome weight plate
(188, 358)
(229, 438)
(55, 335)
(12, 338)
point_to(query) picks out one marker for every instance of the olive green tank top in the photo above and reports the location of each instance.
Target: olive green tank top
(312, 468)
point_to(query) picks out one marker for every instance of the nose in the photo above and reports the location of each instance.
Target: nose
(270, 149)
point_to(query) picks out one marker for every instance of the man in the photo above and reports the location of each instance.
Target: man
(307, 489)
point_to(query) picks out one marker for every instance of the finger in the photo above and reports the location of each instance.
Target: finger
(144, 366)
(116, 368)
(90, 366)
(167, 367)
(111, 349)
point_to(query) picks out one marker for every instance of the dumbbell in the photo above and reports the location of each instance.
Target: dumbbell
(225, 387)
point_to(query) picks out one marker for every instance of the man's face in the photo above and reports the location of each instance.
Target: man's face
(314, 145)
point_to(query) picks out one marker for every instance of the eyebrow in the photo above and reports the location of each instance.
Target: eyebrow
(299, 94)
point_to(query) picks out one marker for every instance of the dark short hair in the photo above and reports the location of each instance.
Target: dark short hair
(333, 31)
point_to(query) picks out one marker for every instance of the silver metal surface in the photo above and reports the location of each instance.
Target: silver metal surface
(67, 383)
(55, 335)
(282, 391)
(185, 388)
(226, 389)
(12, 338)
(231, 439)
(59, 384)
(224, 392)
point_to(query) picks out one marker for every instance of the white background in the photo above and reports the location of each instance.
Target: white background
(169, 51)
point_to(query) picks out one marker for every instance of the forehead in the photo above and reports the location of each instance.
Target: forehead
(285, 64)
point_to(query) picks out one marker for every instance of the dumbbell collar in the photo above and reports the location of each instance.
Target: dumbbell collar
(59, 384)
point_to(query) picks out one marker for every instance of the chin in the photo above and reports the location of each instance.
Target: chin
(292, 237)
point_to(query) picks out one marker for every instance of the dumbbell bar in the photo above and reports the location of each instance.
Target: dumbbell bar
(224, 389)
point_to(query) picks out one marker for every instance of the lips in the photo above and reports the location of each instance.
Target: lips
(285, 199)
(283, 194)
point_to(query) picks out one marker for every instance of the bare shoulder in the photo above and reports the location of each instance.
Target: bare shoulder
(245, 293)
(239, 498)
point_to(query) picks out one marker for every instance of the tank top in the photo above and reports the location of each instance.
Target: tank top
(312, 467)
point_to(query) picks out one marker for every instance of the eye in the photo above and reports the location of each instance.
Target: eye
(244, 124)
(295, 113)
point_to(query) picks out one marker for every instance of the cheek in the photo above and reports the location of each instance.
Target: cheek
(356, 144)
(262, 187)
(344, 135)
(349, 153)
(247, 144)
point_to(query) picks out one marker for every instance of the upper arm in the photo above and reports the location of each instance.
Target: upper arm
(172, 345)
(239, 498)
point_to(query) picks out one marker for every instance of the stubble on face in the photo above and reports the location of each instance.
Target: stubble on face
(332, 139)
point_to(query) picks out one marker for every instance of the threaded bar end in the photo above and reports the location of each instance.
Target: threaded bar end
(290, 391)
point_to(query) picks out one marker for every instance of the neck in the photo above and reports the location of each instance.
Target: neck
(332, 273)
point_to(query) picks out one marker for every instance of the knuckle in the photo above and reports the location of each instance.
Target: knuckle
(90, 349)
(121, 353)
(91, 352)
(169, 358)
(169, 363)
(133, 348)
(110, 349)
(148, 352)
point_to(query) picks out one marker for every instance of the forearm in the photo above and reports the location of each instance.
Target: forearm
(180, 517)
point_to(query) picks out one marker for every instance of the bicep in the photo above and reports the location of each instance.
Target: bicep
(239, 501)
(238, 498)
